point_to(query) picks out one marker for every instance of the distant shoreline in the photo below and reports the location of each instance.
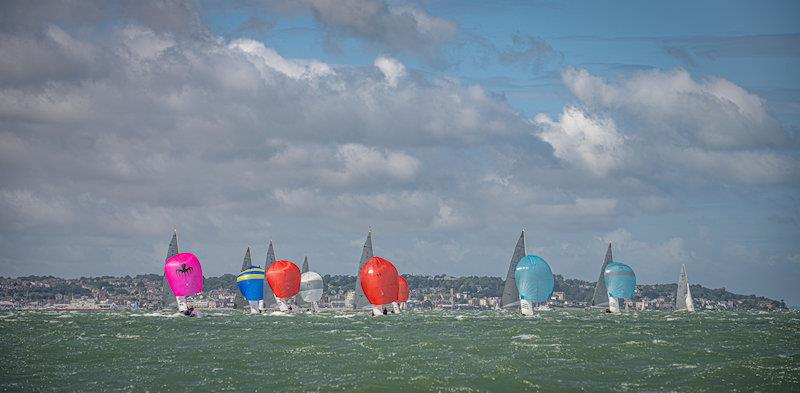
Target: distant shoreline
(147, 291)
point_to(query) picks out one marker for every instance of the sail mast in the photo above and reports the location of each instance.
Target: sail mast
(600, 298)
(510, 295)
(269, 297)
(239, 301)
(167, 298)
(360, 300)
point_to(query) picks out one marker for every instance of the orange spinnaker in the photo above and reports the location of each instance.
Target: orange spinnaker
(284, 279)
(379, 281)
(402, 290)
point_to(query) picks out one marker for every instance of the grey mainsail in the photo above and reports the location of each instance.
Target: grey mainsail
(269, 297)
(600, 298)
(298, 300)
(360, 300)
(683, 296)
(239, 301)
(167, 299)
(510, 294)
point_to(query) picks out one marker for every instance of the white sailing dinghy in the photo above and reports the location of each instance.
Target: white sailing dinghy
(683, 296)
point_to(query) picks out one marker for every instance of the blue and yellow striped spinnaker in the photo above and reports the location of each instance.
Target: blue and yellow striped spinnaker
(251, 283)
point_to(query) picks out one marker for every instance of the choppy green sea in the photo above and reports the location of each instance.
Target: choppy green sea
(415, 351)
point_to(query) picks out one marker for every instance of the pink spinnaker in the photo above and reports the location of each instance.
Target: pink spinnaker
(184, 274)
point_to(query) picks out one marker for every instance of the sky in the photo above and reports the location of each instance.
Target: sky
(447, 127)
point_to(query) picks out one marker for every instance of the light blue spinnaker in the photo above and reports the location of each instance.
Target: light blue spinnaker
(534, 279)
(620, 280)
(251, 283)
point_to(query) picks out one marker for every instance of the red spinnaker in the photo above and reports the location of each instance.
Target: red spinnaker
(402, 289)
(284, 279)
(379, 281)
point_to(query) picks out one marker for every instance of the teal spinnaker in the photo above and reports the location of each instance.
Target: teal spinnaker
(620, 280)
(534, 279)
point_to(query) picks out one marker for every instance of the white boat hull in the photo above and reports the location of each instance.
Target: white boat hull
(525, 307)
(613, 305)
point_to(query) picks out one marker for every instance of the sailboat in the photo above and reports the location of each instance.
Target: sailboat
(185, 278)
(535, 284)
(239, 302)
(378, 278)
(311, 286)
(167, 300)
(360, 300)
(251, 286)
(284, 279)
(510, 298)
(600, 298)
(683, 296)
(620, 282)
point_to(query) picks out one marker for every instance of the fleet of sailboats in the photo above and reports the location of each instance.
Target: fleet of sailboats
(528, 286)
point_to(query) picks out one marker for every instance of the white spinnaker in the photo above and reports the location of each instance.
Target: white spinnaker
(311, 287)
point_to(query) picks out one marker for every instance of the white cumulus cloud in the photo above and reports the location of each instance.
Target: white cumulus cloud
(580, 139)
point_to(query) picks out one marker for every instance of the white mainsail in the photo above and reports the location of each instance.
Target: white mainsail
(510, 298)
(167, 299)
(269, 297)
(360, 300)
(683, 295)
(600, 292)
